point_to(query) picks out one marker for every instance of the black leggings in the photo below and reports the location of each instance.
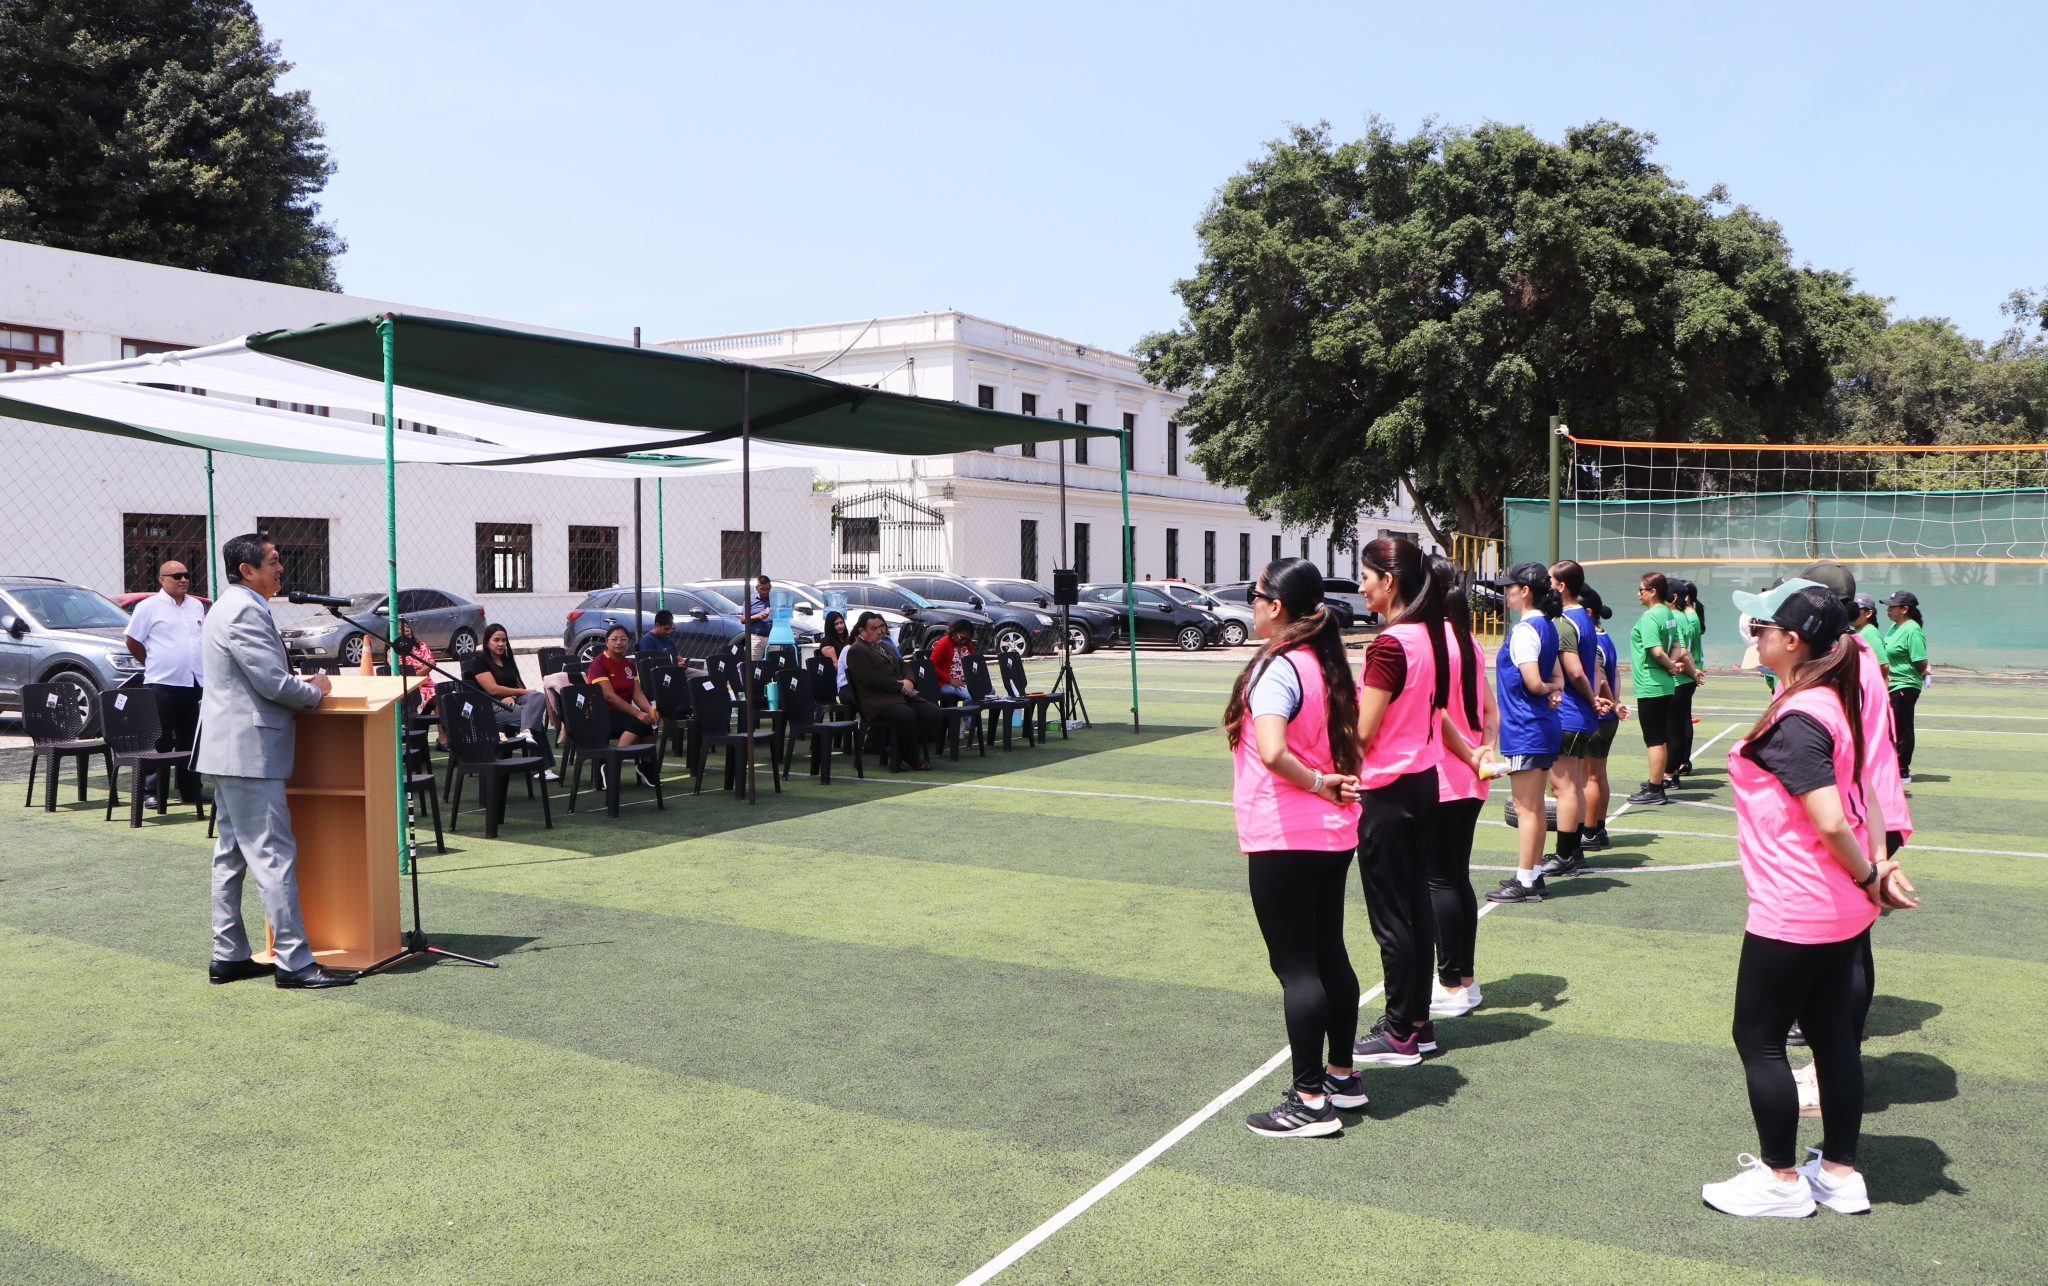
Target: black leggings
(1393, 865)
(1903, 701)
(1298, 896)
(1679, 739)
(1450, 888)
(1824, 988)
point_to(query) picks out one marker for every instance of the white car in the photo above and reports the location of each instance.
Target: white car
(1236, 617)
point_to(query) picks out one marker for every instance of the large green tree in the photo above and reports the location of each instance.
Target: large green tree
(1407, 312)
(155, 130)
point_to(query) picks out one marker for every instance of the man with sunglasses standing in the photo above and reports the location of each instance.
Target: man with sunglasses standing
(163, 633)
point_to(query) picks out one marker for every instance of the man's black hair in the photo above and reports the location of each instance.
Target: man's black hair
(244, 549)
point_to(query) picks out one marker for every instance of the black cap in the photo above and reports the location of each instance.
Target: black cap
(1529, 575)
(1902, 598)
(1834, 576)
(1815, 614)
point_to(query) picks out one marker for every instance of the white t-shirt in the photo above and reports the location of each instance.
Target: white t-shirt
(169, 634)
(1525, 645)
(1278, 690)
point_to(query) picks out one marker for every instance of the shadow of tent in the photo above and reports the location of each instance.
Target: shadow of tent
(1904, 1170)
(1545, 991)
(1906, 1077)
(1897, 1015)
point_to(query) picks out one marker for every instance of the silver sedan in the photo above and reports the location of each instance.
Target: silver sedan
(450, 625)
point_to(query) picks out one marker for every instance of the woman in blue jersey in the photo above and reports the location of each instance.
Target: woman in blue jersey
(1578, 715)
(1528, 684)
(1593, 830)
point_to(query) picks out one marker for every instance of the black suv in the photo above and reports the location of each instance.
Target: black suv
(1022, 630)
(706, 621)
(931, 619)
(1089, 625)
(1161, 618)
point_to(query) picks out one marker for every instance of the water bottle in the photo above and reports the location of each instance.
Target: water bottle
(1491, 766)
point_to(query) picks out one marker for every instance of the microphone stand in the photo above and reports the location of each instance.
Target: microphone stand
(413, 942)
(1065, 687)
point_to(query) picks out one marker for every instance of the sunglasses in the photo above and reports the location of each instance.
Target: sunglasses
(1757, 628)
(1261, 596)
(179, 575)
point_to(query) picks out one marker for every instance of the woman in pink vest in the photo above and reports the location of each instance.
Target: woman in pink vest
(1459, 797)
(1403, 734)
(1810, 834)
(1292, 723)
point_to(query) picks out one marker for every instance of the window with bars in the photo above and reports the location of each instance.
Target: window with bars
(739, 553)
(1130, 439)
(1244, 555)
(1172, 448)
(1080, 444)
(1173, 553)
(985, 396)
(23, 348)
(1329, 558)
(1208, 558)
(593, 558)
(1027, 552)
(1027, 404)
(1276, 550)
(150, 540)
(303, 545)
(504, 558)
(1081, 552)
(1304, 546)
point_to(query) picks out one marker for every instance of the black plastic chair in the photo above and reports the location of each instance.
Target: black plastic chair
(553, 660)
(473, 746)
(982, 694)
(959, 715)
(589, 724)
(1017, 687)
(419, 766)
(133, 725)
(669, 691)
(713, 707)
(806, 718)
(56, 722)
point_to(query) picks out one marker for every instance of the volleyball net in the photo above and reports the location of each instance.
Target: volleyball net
(1963, 527)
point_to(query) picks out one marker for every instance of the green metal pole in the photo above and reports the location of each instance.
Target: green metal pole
(1554, 555)
(660, 550)
(387, 333)
(1123, 482)
(212, 535)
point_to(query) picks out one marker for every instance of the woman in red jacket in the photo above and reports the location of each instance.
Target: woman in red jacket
(947, 654)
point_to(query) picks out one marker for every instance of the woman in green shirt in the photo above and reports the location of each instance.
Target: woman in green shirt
(1905, 653)
(1685, 613)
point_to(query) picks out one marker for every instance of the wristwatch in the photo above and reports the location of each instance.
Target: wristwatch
(1869, 879)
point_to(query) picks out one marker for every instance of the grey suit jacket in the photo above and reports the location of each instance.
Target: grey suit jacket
(251, 695)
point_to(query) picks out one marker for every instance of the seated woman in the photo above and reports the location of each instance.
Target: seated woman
(948, 654)
(418, 659)
(495, 672)
(612, 673)
(833, 641)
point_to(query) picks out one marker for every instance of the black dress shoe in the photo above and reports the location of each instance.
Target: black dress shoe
(313, 976)
(236, 970)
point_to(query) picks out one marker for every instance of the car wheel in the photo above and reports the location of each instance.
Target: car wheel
(1079, 639)
(1189, 638)
(1233, 634)
(1011, 641)
(587, 650)
(352, 651)
(77, 688)
(462, 642)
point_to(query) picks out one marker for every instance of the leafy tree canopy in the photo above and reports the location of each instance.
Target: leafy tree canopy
(155, 130)
(1409, 311)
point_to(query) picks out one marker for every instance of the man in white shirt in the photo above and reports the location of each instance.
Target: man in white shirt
(163, 634)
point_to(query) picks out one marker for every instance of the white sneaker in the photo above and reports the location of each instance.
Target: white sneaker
(1757, 1192)
(1808, 1082)
(1847, 1195)
(1452, 1002)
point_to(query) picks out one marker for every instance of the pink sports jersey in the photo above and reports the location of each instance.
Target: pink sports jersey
(1406, 741)
(1276, 814)
(1797, 891)
(1880, 741)
(1455, 778)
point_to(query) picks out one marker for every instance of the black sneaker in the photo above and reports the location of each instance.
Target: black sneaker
(1512, 890)
(1649, 793)
(1294, 1119)
(1560, 865)
(646, 777)
(1425, 1037)
(1795, 1038)
(1347, 1093)
(1382, 1048)
(1596, 839)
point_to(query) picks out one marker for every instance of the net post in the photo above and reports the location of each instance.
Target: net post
(1553, 488)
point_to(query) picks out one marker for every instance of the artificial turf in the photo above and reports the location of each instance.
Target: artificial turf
(879, 1031)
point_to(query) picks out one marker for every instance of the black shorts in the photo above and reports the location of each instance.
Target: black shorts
(1603, 740)
(1655, 715)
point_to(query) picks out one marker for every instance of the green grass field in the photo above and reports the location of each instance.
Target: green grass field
(880, 1032)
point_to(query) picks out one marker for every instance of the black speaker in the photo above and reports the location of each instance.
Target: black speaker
(1066, 587)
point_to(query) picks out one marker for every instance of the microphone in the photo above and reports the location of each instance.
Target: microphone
(318, 600)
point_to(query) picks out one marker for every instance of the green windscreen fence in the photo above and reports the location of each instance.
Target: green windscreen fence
(1978, 560)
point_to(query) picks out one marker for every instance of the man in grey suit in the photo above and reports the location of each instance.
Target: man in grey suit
(246, 715)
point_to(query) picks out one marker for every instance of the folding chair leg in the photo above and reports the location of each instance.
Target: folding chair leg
(660, 804)
(493, 788)
(134, 796)
(547, 814)
(614, 770)
(455, 798)
(50, 784)
(34, 761)
(434, 807)
(81, 779)
(113, 797)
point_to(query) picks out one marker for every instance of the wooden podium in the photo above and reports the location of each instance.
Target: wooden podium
(344, 816)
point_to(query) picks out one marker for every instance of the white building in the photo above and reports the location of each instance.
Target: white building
(996, 513)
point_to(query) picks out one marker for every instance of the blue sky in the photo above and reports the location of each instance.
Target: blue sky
(695, 169)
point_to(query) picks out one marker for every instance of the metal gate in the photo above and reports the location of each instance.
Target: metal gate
(881, 532)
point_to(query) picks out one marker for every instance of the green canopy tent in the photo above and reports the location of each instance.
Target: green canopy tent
(516, 400)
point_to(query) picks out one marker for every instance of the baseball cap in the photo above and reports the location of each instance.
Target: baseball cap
(1902, 598)
(1865, 603)
(1831, 575)
(1529, 575)
(1811, 610)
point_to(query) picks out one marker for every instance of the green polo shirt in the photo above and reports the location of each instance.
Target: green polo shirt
(1874, 636)
(1688, 635)
(1905, 644)
(1654, 628)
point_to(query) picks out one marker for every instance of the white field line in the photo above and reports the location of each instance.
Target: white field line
(1945, 714)
(1080, 1205)
(1637, 870)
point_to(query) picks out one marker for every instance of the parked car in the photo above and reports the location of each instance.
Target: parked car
(1338, 589)
(1023, 630)
(127, 602)
(1160, 617)
(1089, 625)
(1236, 617)
(706, 620)
(930, 619)
(1349, 607)
(809, 608)
(52, 631)
(451, 625)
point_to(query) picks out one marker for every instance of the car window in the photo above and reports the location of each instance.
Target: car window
(917, 585)
(408, 601)
(69, 607)
(1152, 596)
(914, 599)
(718, 601)
(1105, 594)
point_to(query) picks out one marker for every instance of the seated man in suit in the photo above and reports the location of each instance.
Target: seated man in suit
(887, 696)
(246, 715)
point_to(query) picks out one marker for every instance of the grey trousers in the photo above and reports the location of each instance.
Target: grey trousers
(529, 714)
(256, 836)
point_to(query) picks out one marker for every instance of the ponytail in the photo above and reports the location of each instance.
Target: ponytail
(1423, 597)
(1314, 628)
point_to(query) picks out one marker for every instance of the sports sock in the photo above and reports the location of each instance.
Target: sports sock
(1527, 879)
(1568, 843)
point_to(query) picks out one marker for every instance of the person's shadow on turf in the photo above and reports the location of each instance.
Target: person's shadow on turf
(1540, 991)
(1897, 1015)
(1903, 1169)
(1906, 1077)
